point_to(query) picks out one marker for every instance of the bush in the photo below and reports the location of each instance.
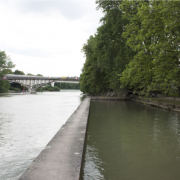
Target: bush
(56, 88)
(50, 88)
(4, 86)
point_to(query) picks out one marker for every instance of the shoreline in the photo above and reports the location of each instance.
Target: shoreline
(167, 106)
(153, 102)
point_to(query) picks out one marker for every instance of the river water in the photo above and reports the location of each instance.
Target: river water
(130, 141)
(27, 123)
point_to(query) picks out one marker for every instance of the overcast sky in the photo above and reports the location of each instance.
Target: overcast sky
(46, 36)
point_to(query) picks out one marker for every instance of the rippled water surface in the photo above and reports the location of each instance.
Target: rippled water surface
(27, 123)
(131, 141)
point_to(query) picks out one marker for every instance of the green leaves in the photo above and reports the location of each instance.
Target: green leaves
(4, 86)
(139, 41)
(19, 72)
(106, 52)
(5, 64)
(153, 33)
(5, 68)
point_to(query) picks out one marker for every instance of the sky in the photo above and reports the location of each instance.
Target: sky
(46, 36)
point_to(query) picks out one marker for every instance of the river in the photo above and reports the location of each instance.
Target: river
(27, 123)
(130, 141)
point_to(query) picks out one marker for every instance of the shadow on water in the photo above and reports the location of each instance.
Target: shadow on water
(127, 140)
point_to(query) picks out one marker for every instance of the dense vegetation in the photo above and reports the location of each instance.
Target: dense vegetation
(67, 85)
(135, 48)
(5, 68)
(48, 88)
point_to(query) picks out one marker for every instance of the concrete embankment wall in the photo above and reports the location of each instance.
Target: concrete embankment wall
(167, 106)
(61, 159)
(111, 98)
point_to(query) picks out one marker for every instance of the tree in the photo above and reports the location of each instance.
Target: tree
(106, 52)
(67, 85)
(39, 75)
(93, 79)
(5, 64)
(29, 74)
(5, 68)
(105, 6)
(19, 72)
(4, 86)
(153, 34)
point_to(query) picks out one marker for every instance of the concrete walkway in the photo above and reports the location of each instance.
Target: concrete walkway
(62, 157)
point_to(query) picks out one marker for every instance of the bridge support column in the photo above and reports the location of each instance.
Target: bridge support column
(52, 84)
(29, 89)
(33, 91)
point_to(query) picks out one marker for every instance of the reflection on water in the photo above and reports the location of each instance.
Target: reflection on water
(27, 123)
(130, 141)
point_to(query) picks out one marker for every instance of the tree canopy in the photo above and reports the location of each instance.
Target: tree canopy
(135, 48)
(5, 68)
(19, 72)
(153, 34)
(39, 75)
(106, 52)
(5, 64)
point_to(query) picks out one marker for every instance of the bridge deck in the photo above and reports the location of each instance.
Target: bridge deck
(21, 77)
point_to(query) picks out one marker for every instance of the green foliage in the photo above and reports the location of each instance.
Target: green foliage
(39, 75)
(5, 68)
(67, 85)
(106, 52)
(5, 64)
(107, 5)
(4, 86)
(50, 88)
(29, 74)
(19, 72)
(56, 88)
(153, 34)
(92, 79)
(16, 86)
(139, 41)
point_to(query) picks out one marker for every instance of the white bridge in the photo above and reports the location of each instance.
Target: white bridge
(34, 82)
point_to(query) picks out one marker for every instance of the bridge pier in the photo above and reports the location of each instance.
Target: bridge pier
(52, 84)
(31, 90)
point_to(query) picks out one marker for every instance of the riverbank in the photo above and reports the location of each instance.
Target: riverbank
(62, 157)
(168, 103)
